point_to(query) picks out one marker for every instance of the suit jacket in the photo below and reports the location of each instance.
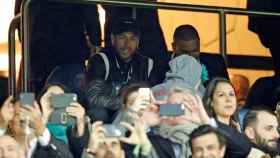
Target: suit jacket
(237, 145)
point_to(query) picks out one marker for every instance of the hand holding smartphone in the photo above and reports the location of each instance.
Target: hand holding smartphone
(27, 99)
(145, 93)
(171, 110)
(142, 100)
(63, 100)
(112, 130)
(60, 102)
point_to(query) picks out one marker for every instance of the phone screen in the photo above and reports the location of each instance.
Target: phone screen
(112, 130)
(145, 93)
(63, 100)
(171, 110)
(27, 99)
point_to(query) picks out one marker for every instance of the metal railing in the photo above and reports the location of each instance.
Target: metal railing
(12, 55)
(222, 11)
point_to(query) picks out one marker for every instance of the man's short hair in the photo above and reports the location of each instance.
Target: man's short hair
(207, 129)
(251, 117)
(185, 33)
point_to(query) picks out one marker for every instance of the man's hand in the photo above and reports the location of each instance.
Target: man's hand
(138, 134)
(6, 112)
(256, 153)
(34, 116)
(195, 111)
(47, 108)
(139, 104)
(76, 110)
(97, 137)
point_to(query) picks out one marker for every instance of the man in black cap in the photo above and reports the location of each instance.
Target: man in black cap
(122, 64)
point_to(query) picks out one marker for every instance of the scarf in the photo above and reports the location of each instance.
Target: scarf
(178, 134)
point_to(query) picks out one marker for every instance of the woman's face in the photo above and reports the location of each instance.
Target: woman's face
(224, 100)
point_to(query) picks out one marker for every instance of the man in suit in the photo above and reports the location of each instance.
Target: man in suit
(267, 28)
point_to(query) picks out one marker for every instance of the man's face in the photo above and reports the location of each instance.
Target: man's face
(125, 44)
(190, 47)
(110, 148)
(9, 148)
(207, 146)
(266, 133)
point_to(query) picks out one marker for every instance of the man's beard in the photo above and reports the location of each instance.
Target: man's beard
(263, 144)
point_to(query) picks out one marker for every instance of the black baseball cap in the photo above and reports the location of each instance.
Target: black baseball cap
(127, 25)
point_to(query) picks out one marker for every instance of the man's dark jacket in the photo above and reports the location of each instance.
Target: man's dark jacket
(118, 69)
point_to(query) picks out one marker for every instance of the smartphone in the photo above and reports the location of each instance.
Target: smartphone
(112, 130)
(63, 100)
(145, 93)
(27, 99)
(171, 110)
(60, 102)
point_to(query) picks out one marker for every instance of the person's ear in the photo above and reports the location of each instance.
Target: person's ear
(113, 38)
(250, 133)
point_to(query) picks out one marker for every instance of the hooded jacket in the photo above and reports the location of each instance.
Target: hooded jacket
(185, 72)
